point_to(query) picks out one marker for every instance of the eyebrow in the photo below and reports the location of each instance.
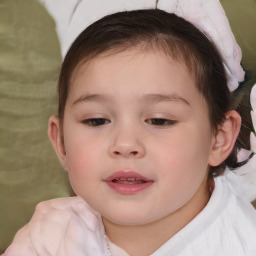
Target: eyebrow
(156, 98)
(92, 97)
(148, 98)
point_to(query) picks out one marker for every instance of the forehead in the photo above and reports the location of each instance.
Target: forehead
(120, 64)
(142, 57)
(133, 73)
(146, 48)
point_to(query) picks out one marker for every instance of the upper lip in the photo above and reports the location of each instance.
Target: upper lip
(122, 174)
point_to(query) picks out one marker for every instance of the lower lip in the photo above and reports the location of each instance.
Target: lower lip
(129, 189)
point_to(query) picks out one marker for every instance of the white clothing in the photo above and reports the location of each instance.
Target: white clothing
(68, 226)
(225, 227)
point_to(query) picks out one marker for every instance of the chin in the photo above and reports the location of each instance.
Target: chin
(129, 218)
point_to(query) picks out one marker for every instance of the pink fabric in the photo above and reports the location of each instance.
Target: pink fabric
(63, 227)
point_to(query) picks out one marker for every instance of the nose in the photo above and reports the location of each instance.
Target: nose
(127, 144)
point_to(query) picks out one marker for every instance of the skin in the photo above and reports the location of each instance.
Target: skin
(140, 111)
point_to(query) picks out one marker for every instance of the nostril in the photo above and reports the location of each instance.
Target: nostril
(132, 153)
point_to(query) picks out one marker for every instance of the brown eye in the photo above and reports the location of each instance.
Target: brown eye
(96, 121)
(160, 121)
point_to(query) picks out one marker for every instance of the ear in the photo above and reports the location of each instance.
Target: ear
(225, 138)
(55, 136)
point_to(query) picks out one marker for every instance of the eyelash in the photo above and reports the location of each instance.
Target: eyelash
(161, 122)
(95, 122)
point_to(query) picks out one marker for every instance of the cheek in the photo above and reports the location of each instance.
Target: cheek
(183, 150)
(82, 157)
(179, 177)
(183, 157)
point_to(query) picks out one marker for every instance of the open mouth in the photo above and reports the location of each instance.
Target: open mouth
(128, 182)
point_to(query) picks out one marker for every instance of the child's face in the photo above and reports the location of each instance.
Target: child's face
(140, 113)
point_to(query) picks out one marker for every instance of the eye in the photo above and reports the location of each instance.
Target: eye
(96, 121)
(161, 122)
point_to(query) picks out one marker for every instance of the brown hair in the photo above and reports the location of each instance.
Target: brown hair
(159, 30)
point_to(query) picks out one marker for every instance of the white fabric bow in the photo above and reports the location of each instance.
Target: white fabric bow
(253, 115)
(73, 16)
(244, 180)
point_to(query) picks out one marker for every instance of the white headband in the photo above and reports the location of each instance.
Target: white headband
(207, 15)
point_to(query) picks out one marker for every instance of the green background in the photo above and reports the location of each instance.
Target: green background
(29, 65)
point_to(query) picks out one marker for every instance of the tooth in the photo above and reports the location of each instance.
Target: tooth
(128, 180)
(131, 179)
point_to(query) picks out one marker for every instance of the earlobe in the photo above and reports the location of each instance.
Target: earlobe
(54, 134)
(225, 138)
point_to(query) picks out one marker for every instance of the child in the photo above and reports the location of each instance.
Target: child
(145, 130)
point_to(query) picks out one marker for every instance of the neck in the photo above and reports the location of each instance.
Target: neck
(142, 240)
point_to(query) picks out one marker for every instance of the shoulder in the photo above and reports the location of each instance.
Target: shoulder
(231, 222)
(235, 202)
(64, 226)
(226, 226)
(233, 229)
